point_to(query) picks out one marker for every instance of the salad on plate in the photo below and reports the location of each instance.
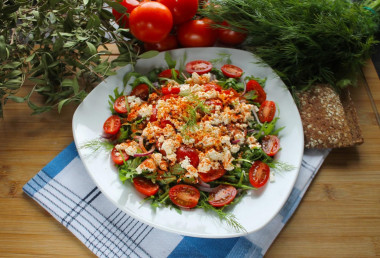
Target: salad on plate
(200, 137)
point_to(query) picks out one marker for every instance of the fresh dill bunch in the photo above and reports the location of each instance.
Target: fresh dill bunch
(306, 42)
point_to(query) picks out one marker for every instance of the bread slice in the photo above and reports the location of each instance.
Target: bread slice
(329, 120)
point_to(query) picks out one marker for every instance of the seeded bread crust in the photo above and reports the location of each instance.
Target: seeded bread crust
(329, 120)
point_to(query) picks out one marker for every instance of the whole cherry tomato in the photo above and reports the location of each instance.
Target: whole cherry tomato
(230, 37)
(168, 43)
(122, 18)
(197, 33)
(145, 186)
(182, 10)
(185, 196)
(223, 195)
(258, 174)
(151, 22)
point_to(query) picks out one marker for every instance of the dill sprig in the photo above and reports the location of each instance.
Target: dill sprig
(97, 144)
(305, 42)
(196, 105)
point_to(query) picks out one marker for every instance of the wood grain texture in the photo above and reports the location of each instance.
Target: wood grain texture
(339, 215)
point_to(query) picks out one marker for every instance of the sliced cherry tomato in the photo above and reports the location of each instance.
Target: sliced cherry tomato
(151, 22)
(163, 123)
(168, 43)
(259, 174)
(122, 18)
(231, 71)
(170, 90)
(112, 125)
(212, 174)
(223, 195)
(253, 85)
(185, 196)
(198, 66)
(167, 73)
(145, 186)
(153, 116)
(169, 96)
(267, 111)
(270, 144)
(182, 10)
(141, 91)
(118, 157)
(120, 106)
(212, 86)
(197, 33)
(230, 37)
(185, 151)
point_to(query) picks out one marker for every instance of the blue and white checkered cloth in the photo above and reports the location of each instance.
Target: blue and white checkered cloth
(67, 192)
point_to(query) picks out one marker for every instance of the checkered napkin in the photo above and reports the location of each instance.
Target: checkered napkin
(66, 191)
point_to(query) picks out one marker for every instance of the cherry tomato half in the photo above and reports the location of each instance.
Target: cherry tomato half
(118, 157)
(182, 10)
(231, 71)
(198, 66)
(112, 125)
(141, 91)
(223, 195)
(167, 74)
(197, 33)
(168, 43)
(122, 18)
(212, 174)
(270, 144)
(153, 116)
(185, 151)
(170, 90)
(185, 196)
(253, 85)
(259, 174)
(212, 86)
(267, 111)
(151, 22)
(230, 37)
(145, 186)
(120, 106)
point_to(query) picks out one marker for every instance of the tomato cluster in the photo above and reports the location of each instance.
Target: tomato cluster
(167, 24)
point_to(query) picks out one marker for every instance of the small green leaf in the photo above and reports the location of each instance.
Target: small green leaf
(30, 58)
(85, 2)
(91, 48)
(148, 54)
(169, 60)
(4, 53)
(69, 44)
(16, 98)
(61, 103)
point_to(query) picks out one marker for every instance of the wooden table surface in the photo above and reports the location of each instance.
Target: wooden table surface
(338, 217)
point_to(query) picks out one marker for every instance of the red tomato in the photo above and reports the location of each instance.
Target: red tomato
(145, 186)
(185, 151)
(117, 157)
(185, 196)
(153, 117)
(167, 73)
(223, 195)
(163, 123)
(253, 85)
(259, 174)
(141, 91)
(212, 174)
(197, 33)
(168, 96)
(151, 22)
(231, 71)
(122, 19)
(170, 90)
(267, 111)
(212, 86)
(112, 125)
(120, 106)
(230, 91)
(270, 144)
(168, 43)
(182, 10)
(230, 37)
(198, 66)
